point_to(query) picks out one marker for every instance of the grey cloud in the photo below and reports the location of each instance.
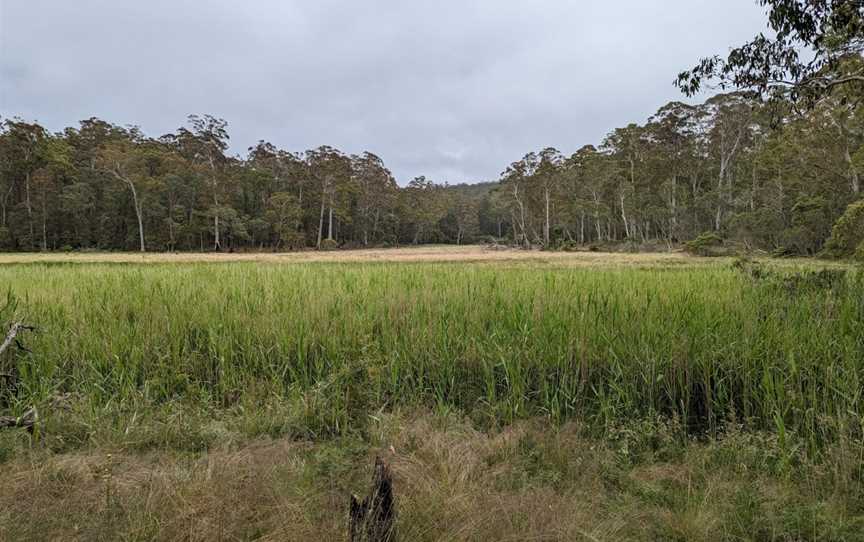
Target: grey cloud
(450, 89)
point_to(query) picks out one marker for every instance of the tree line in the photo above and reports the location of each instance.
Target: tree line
(102, 186)
(752, 171)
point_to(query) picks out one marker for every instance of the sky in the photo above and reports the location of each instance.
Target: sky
(451, 89)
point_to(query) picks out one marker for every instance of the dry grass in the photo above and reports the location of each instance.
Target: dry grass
(419, 254)
(433, 253)
(529, 481)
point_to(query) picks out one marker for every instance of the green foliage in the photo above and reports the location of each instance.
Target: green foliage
(847, 236)
(329, 244)
(772, 66)
(706, 244)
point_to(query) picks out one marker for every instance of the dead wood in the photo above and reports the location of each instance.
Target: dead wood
(9, 382)
(27, 421)
(372, 520)
(12, 335)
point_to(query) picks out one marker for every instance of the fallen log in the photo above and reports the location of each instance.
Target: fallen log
(373, 519)
(27, 421)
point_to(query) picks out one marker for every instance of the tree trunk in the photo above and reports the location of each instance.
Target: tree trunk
(29, 209)
(44, 225)
(138, 213)
(135, 202)
(330, 222)
(5, 202)
(854, 182)
(624, 218)
(321, 219)
(582, 229)
(546, 225)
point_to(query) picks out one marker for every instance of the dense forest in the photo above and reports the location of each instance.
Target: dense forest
(774, 164)
(753, 172)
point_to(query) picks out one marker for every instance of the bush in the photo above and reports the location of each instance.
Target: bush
(329, 244)
(783, 252)
(706, 244)
(847, 235)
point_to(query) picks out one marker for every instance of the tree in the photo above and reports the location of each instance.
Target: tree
(23, 156)
(330, 169)
(125, 159)
(283, 214)
(626, 145)
(516, 179)
(204, 145)
(376, 191)
(549, 180)
(816, 48)
(424, 205)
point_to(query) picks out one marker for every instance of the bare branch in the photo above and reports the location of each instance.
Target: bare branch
(16, 328)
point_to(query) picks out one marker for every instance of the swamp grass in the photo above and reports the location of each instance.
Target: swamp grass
(339, 342)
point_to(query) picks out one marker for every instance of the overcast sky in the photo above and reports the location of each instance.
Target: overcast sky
(451, 89)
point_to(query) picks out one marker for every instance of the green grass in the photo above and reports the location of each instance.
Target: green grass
(339, 342)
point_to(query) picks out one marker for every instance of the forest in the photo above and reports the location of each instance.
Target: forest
(754, 173)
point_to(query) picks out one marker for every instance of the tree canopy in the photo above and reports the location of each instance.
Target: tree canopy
(813, 47)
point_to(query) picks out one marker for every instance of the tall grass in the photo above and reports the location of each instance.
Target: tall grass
(703, 345)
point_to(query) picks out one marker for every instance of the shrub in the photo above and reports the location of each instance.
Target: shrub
(706, 244)
(847, 235)
(783, 252)
(329, 244)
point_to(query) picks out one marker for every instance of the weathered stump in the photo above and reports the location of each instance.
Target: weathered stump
(373, 519)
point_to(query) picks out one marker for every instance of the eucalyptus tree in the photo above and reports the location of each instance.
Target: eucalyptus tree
(516, 179)
(376, 192)
(204, 145)
(133, 160)
(549, 180)
(627, 147)
(23, 143)
(330, 170)
(805, 57)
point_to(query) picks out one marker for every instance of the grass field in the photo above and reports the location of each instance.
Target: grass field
(518, 395)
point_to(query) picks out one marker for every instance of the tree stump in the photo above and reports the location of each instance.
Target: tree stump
(372, 520)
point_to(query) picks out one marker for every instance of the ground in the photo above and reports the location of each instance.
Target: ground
(424, 253)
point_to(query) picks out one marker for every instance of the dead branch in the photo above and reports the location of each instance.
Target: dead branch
(11, 336)
(372, 520)
(27, 421)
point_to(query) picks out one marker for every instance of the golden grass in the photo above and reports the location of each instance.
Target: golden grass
(432, 253)
(419, 254)
(529, 481)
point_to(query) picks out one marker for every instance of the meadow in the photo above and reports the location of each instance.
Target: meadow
(695, 398)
